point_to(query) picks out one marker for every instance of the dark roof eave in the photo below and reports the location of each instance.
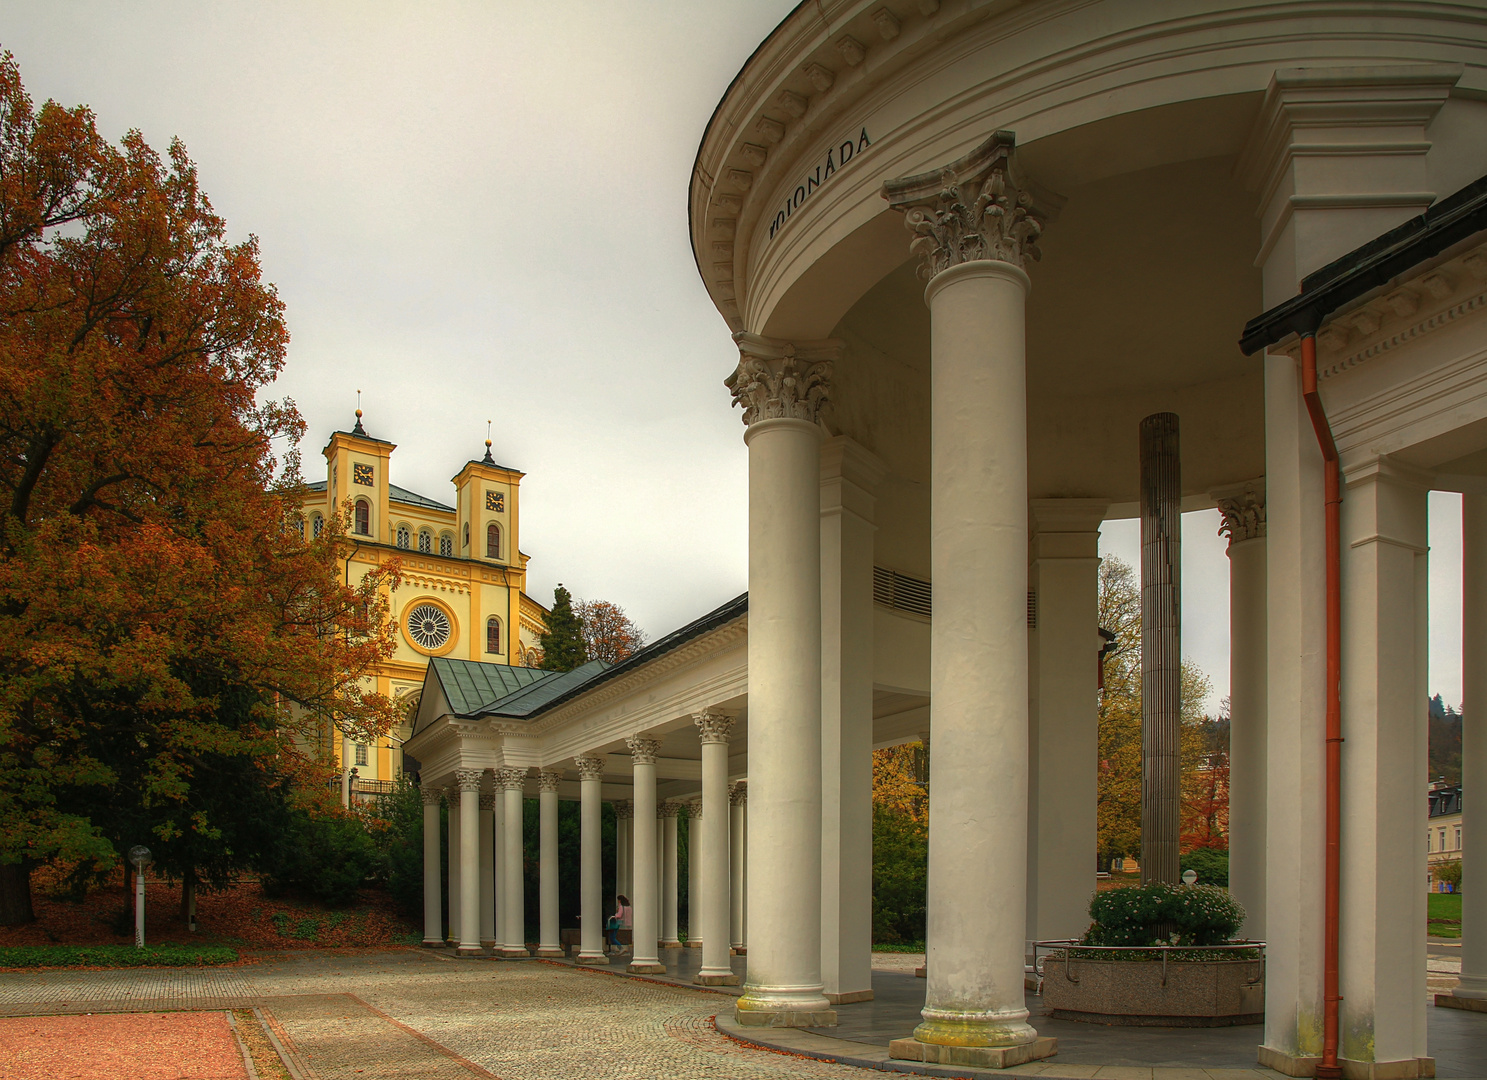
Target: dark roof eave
(1373, 265)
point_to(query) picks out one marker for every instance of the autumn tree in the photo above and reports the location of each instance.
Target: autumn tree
(164, 622)
(562, 643)
(608, 633)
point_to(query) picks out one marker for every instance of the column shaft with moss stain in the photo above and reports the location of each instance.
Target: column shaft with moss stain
(1161, 648)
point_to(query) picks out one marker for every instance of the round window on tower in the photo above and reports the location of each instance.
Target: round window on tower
(428, 627)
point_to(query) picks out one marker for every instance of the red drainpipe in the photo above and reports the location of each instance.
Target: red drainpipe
(1329, 1069)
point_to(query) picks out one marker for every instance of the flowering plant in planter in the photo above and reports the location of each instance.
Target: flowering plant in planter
(1159, 914)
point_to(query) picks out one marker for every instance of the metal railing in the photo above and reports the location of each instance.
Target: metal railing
(1069, 947)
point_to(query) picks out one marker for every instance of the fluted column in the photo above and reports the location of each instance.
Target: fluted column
(974, 222)
(644, 958)
(624, 814)
(1474, 747)
(694, 873)
(668, 812)
(1243, 509)
(710, 900)
(513, 915)
(781, 387)
(590, 862)
(738, 800)
(433, 898)
(548, 941)
(487, 871)
(468, 781)
(1161, 648)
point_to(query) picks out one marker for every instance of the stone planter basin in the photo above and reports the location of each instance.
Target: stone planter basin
(1190, 993)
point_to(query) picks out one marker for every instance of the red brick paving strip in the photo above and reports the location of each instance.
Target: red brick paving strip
(141, 1046)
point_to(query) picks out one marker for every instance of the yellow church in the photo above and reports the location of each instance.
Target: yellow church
(462, 596)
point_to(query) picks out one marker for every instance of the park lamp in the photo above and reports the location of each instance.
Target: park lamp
(140, 856)
(1190, 877)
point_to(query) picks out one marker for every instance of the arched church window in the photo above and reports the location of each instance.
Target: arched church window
(467, 534)
(425, 541)
(363, 517)
(405, 536)
(446, 545)
(316, 524)
(493, 635)
(493, 541)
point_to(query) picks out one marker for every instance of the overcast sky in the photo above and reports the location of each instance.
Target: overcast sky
(478, 212)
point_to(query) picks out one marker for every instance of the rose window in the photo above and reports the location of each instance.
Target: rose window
(428, 626)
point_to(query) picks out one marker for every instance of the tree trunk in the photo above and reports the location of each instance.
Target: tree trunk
(15, 894)
(188, 898)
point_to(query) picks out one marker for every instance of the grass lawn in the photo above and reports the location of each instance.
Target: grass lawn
(1444, 913)
(50, 956)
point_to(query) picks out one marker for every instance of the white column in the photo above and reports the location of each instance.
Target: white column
(694, 874)
(781, 386)
(468, 781)
(549, 943)
(1382, 961)
(644, 958)
(974, 1010)
(660, 876)
(711, 898)
(1244, 523)
(498, 863)
(433, 894)
(452, 797)
(849, 478)
(487, 871)
(624, 813)
(513, 914)
(738, 799)
(1063, 753)
(1474, 747)
(669, 811)
(591, 948)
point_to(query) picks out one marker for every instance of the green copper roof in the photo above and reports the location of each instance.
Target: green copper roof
(532, 697)
(468, 684)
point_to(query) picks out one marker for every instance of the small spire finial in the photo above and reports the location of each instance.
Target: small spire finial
(487, 460)
(358, 429)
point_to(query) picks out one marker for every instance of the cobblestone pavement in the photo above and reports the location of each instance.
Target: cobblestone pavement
(413, 1014)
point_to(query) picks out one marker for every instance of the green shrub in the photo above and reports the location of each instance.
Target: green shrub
(46, 956)
(900, 876)
(1210, 864)
(326, 856)
(1160, 914)
(397, 834)
(1448, 872)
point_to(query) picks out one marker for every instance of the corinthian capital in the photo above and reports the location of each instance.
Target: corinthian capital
(549, 779)
(643, 751)
(780, 379)
(668, 808)
(431, 796)
(1243, 508)
(590, 768)
(511, 779)
(712, 727)
(468, 779)
(624, 809)
(978, 207)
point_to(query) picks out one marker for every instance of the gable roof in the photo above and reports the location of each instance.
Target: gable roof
(468, 684)
(412, 498)
(539, 693)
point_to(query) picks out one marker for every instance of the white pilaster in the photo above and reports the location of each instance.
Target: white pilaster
(1382, 964)
(781, 386)
(738, 803)
(1243, 508)
(487, 871)
(433, 898)
(468, 781)
(1474, 747)
(644, 958)
(694, 874)
(513, 914)
(710, 901)
(549, 943)
(590, 861)
(849, 480)
(974, 223)
(668, 812)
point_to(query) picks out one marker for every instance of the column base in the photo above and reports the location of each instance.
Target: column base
(489, 943)
(1306, 1065)
(1457, 1001)
(433, 943)
(979, 1057)
(1289, 1064)
(921, 973)
(471, 950)
(705, 978)
(594, 958)
(739, 950)
(512, 952)
(694, 944)
(646, 967)
(785, 1018)
(849, 997)
(551, 952)
(668, 944)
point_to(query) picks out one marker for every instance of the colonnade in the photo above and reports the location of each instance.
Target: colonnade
(485, 871)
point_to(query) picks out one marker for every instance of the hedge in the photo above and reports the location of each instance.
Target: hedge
(46, 956)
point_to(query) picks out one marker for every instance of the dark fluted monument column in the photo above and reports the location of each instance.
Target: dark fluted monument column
(1161, 648)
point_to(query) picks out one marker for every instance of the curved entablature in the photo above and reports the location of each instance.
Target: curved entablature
(788, 236)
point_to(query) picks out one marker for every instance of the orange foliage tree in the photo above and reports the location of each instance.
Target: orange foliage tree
(608, 633)
(154, 574)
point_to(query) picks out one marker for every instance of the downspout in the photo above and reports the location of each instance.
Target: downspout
(1329, 1068)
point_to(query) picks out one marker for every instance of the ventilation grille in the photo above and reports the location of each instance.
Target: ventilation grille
(899, 591)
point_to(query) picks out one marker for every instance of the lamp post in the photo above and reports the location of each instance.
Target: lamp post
(139, 855)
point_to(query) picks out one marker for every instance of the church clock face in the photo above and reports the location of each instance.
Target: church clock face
(428, 626)
(495, 500)
(361, 474)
